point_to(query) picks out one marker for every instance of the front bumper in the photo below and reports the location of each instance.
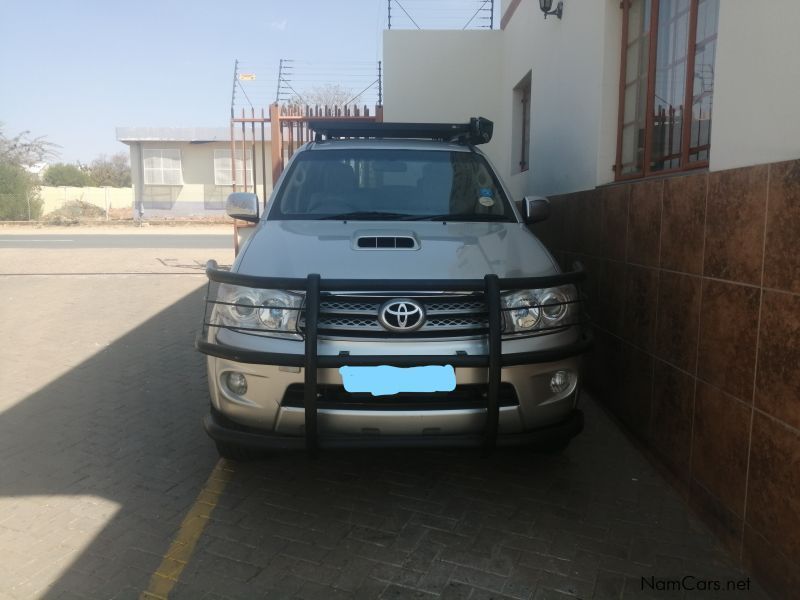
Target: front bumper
(222, 429)
(491, 362)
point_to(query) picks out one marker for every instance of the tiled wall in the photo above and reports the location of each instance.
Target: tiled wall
(694, 283)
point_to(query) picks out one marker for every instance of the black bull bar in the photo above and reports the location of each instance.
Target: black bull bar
(314, 286)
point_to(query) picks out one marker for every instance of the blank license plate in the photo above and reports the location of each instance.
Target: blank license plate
(386, 381)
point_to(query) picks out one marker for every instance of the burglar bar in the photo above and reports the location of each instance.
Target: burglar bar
(314, 285)
(310, 380)
(492, 293)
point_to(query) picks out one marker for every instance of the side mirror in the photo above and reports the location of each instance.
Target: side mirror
(535, 209)
(242, 205)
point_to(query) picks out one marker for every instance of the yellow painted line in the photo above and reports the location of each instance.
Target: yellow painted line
(195, 521)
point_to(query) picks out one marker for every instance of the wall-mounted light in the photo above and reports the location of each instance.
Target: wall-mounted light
(546, 5)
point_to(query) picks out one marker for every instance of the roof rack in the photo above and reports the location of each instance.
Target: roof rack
(477, 131)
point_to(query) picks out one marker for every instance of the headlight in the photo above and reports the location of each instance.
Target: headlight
(531, 310)
(264, 312)
(525, 313)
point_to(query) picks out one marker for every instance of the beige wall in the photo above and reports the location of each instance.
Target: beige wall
(446, 76)
(756, 84)
(55, 197)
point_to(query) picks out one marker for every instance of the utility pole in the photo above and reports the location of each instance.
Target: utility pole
(280, 77)
(233, 90)
(380, 84)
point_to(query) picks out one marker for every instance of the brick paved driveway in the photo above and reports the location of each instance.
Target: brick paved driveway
(102, 455)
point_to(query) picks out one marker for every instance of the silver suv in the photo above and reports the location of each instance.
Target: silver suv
(392, 295)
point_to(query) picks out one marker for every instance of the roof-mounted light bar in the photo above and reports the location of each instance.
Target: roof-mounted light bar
(478, 131)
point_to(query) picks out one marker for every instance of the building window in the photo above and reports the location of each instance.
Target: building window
(222, 168)
(667, 65)
(161, 197)
(521, 119)
(162, 166)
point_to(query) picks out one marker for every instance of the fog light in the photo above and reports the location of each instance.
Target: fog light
(560, 381)
(237, 383)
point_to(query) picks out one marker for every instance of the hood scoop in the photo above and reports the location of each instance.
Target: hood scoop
(379, 240)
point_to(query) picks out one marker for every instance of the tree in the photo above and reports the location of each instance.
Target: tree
(19, 198)
(328, 94)
(114, 171)
(24, 151)
(19, 195)
(66, 174)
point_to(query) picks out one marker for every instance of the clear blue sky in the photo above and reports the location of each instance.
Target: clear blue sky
(74, 71)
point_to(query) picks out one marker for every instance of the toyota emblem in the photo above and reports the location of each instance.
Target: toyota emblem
(402, 315)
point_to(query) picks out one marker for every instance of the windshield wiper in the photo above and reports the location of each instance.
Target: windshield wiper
(451, 217)
(363, 214)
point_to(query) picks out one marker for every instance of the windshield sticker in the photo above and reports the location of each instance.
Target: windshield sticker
(485, 197)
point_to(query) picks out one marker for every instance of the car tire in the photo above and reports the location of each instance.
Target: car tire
(237, 452)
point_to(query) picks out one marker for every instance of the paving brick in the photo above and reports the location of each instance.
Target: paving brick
(522, 583)
(457, 591)
(437, 577)
(548, 594)
(393, 574)
(497, 565)
(315, 591)
(478, 578)
(480, 594)
(401, 593)
(422, 557)
(370, 589)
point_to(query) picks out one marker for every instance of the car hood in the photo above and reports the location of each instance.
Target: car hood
(442, 251)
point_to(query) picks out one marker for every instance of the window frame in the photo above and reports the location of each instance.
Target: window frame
(525, 132)
(246, 170)
(652, 61)
(521, 125)
(161, 169)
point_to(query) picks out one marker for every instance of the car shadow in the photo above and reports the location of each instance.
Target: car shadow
(124, 426)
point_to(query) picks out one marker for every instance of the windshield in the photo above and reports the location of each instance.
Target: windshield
(381, 185)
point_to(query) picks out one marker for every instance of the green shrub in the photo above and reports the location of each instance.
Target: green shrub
(19, 197)
(65, 174)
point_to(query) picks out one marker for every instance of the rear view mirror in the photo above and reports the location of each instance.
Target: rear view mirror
(242, 205)
(535, 209)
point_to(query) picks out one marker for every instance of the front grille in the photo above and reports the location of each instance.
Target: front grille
(357, 316)
(463, 397)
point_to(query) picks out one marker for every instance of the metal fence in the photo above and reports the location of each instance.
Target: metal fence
(445, 14)
(20, 207)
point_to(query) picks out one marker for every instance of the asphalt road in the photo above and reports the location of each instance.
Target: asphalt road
(117, 240)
